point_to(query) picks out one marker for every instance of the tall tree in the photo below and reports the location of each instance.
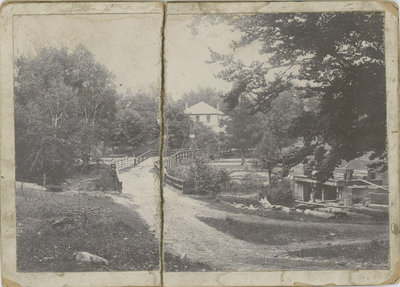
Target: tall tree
(177, 125)
(64, 106)
(136, 121)
(273, 147)
(336, 59)
(243, 128)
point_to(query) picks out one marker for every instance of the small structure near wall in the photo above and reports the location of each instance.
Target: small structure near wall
(207, 115)
(345, 189)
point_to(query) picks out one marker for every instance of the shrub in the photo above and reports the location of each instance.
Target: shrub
(279, 193)
(201, 178)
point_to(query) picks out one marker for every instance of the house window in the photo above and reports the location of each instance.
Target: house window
(197, 118)
(208, 118)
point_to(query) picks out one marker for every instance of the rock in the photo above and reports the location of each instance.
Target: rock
(86, 257)
(318, 214)
(29, 185)
(62, 222)
(265, 203)
(251, 207)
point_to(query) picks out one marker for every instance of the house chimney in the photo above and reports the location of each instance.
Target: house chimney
(187, 105)
(218, 106)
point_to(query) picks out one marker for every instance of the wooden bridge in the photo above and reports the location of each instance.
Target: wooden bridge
(170, 161)
(126, 162)
(175, 158)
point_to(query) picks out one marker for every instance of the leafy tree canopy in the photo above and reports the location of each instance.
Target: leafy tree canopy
(177, 125)
(335, 59)
(242, 128)
(136, 121)
(64, 109)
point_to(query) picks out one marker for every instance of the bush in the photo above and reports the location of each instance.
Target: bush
(205, 180)
(279, 193)
(252, 182)
(249, 183)
(200, 178)
(181, 170)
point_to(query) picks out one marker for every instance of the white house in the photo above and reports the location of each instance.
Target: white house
(206, 114)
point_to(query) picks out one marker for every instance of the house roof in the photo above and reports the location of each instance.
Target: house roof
(202, 108)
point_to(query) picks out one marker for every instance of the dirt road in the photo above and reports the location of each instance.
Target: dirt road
(140, 191)
(188, 237)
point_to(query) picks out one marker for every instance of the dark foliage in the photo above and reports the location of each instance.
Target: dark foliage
(279, 193)
(64, 109)
(340, 62)
(136, 121)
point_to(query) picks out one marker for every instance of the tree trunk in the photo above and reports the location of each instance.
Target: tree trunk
(313, 192)
(44, 179)
(269, 176)
(243, 157)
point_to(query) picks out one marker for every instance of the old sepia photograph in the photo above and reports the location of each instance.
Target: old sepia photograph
(275, 151)
(86, 136)
(189, 144)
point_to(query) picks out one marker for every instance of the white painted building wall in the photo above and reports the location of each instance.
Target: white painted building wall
(211, 121)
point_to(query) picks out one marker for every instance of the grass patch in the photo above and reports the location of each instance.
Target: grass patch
(373, 251)
(109, 230)
(279, 233)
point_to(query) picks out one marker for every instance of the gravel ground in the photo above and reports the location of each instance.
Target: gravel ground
(189, 236)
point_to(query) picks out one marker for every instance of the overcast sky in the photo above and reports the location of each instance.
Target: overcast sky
(187, 54)
(128, 45)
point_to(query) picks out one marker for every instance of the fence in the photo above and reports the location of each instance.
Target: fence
(133, 161)
(169, 162)
(176, 157)
(171, 180)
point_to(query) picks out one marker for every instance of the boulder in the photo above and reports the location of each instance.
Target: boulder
(318, 214)
(29, 185)
(86, 257)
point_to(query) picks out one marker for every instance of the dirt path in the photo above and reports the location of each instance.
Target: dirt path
(140, 191)
(188, 237)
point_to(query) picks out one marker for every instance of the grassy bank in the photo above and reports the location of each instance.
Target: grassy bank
(373, 246)
(52, 226)
(283, 232)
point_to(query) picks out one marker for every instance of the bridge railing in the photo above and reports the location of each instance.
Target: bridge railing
(133, 161)
(174, 158)
(170, 161)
